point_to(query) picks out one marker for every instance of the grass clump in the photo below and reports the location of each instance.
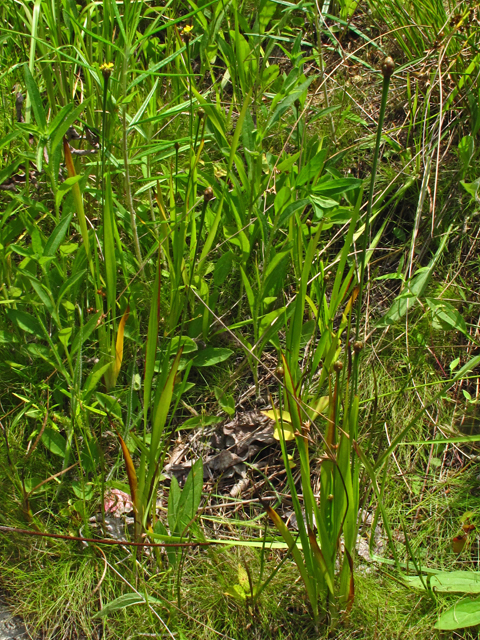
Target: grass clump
(238, 332)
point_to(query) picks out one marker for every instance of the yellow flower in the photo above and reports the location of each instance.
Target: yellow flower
(187, 32)
(106, 68)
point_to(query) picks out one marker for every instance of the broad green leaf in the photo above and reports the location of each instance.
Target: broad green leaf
(82, 491)
(449, 582)
(332, 187)
(312, 168)
(190, 498)
(94, 378)
(187, 344)
(415, 288)
(464, 614)
(447, 316)
(210, 356)
(127, 600)
(54, 442)
(25, 322)
(223, 266)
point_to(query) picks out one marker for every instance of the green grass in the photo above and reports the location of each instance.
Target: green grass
(232, 215)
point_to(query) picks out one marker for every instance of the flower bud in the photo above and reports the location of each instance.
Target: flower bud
(357, 346)
(387, 67)
(208, 194)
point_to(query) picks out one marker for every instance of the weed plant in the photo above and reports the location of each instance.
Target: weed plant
(214, 207)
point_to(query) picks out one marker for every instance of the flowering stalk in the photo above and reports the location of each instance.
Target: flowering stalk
(387, 71)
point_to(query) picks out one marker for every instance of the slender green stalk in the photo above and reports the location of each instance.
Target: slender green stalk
(387, 71)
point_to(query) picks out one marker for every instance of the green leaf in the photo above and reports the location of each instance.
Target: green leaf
(449, 582)
(127, 600)
(58, 129)
(90, 457)
(187, 344)
(210, 356)
(415, 288)
(57, 236)
(35, 99)
(173, 501)
(335, 187)
(7, 338)
(291, 209)
(225, 400)
(54, 442)
(190, 498)
(471, 187)
(161, 410)
(447, 316)
(111, 405)
(25, 322)
(312, 168)
(464, 614)
(82, 335)
(223, 267)
(69, 283)
(82, 491)
(94, 378)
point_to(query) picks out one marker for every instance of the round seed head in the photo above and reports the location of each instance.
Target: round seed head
(338, 366)
(208, 194)
(387, 67)
(279, 370)
(357, 346)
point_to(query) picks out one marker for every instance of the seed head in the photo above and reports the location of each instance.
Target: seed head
(279, 370)
(201, 113)
(387, 67)
(208, 194)
(338, 366)
(357, 346)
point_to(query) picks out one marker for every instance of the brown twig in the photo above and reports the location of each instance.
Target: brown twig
(43, 534)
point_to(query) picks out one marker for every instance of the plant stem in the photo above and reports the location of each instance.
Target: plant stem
(387, 70)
